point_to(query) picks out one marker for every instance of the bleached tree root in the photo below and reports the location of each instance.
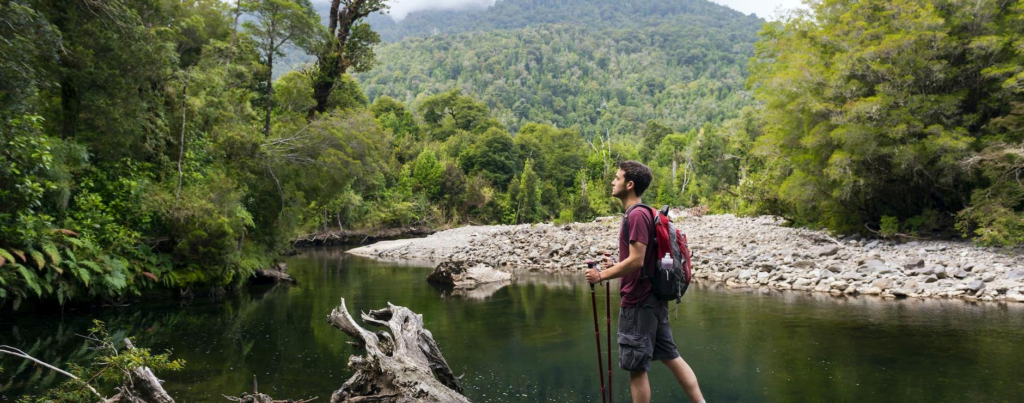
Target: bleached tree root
(404, 365)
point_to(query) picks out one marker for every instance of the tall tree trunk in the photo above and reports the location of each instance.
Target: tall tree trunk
(69, 105)
(331, 64)
(270, 90)
(181, 152)
(234, 32)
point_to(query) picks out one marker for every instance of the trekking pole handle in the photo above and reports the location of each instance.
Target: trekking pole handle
(592, 265)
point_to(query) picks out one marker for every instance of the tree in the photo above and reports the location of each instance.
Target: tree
(493, 155)
(870, 108)
(278, 23)
(447, 112)
(349, 44)
(427, 174)
(651, 138)
(527, 196)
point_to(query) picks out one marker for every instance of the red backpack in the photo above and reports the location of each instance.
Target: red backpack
(672, 274)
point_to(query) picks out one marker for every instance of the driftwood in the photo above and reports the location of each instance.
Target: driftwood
(143, 386)
(404, 365)
(276, 274)
(348, 237)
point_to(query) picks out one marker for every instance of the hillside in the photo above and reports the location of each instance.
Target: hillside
(515, 14)
(606, 66)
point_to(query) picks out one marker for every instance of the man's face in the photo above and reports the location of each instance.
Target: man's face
(619, 185)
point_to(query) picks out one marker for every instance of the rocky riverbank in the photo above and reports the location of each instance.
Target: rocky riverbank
(743, 252)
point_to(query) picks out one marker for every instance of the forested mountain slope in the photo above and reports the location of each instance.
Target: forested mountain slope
(606, 66)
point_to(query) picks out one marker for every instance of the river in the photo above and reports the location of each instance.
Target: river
(533, 340)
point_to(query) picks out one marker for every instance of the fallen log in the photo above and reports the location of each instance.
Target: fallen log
(276, 274)
(404, 365)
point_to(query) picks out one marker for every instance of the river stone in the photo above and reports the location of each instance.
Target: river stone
(931, 279)
(745, 274)
(882, 283)
(975, 286)
(804, 264)
(1015, 275)
(762, 276)
(914, 264)
(872, 290)
(877, 266)
(829, 251)
(803, 282)
(850, 275)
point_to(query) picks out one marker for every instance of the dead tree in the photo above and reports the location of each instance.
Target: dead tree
(404, 365)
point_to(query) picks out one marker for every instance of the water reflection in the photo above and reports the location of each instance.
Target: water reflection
(532, 340)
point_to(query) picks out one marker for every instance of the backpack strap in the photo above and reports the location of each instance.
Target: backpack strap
(653, 239)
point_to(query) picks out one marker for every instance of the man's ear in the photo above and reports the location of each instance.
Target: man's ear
(630, 185)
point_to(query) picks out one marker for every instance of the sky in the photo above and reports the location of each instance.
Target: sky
(763, 8)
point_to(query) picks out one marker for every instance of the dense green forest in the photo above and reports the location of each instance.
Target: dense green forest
(514, 14)
(146, 147)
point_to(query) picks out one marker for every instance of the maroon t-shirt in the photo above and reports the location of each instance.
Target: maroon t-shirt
(636, 228)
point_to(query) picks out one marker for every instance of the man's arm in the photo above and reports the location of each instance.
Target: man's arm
(637, 252)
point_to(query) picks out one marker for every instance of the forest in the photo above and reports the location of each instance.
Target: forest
(154, 147)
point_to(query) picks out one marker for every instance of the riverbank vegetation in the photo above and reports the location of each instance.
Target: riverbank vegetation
(148, 146)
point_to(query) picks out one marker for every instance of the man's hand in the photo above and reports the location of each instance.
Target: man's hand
(593, 277)
(607, 261)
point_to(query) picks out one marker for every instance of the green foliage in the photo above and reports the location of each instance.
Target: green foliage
(683, 71)
(893, 109)
(111, 367)
(890, 226)
(492, 155)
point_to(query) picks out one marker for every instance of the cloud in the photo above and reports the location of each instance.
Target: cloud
(767, 9)
(402, 8)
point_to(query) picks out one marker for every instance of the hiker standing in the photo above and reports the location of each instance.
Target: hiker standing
(644, 333)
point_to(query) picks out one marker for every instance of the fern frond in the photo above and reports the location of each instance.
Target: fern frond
(6, 256)
(53, 253)
(31, 279)
(20, 254)
(38, 258)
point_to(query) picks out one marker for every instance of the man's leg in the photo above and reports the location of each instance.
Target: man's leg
(687, 379)
(639, 387)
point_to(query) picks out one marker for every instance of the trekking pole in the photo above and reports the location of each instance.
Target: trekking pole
(608, 317)
(597, 337)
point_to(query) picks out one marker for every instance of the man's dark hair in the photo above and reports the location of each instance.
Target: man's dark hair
(639, 173)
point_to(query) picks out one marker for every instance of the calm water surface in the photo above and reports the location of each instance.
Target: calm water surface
(533, 341)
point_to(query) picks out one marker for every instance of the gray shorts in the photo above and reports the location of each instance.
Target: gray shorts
(645, 335)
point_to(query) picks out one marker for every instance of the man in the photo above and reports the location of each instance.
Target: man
(644, 333)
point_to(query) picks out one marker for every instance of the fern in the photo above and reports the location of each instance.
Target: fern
(82, 275)
(5, 255)
(75, 242)
(20, 254)
(38, 258)
(92, 265)
(31, 279)
(52, 252)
